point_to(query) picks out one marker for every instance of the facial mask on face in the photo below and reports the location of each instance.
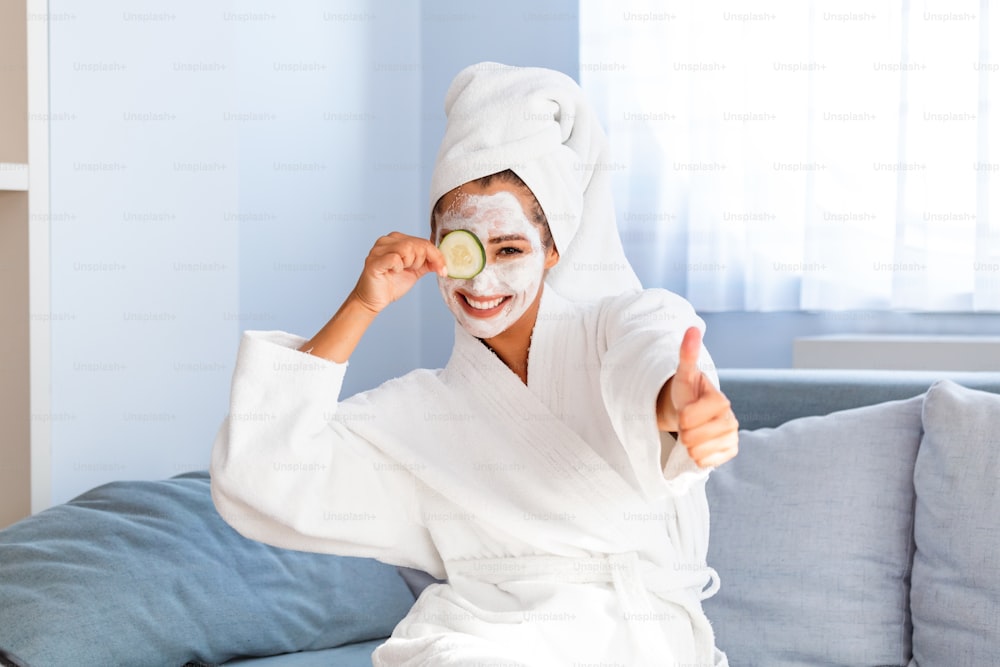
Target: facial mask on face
(515, 278)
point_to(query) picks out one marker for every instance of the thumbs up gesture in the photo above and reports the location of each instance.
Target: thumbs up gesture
(691, 406)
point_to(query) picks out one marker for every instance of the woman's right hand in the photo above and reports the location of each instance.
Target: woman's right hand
(393, 266)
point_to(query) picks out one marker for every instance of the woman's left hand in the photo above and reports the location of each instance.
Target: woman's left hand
(690, 405)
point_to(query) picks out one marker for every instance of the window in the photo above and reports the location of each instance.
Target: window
(811, 155)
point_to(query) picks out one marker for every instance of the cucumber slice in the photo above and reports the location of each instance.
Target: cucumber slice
(463, 253)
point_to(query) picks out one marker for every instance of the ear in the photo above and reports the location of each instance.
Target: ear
(551, 257)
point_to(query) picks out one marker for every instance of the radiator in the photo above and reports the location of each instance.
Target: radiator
(898, 352)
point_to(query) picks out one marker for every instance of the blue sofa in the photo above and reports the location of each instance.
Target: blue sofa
(863, 537)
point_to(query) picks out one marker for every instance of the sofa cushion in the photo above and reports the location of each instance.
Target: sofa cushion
(147, 573)
(956, 568)
(351, 655)
(812, 538)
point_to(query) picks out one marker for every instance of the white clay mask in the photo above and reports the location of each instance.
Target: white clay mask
(498, 296)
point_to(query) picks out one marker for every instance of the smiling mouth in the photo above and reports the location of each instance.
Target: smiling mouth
(483, 307)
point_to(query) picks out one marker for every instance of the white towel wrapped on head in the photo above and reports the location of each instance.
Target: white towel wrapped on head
(538, 123)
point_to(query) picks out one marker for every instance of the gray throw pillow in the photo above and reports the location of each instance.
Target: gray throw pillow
(956, 568)
(812, 538)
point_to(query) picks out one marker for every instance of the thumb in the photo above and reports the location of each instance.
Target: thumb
(688, 377)
(687, 365)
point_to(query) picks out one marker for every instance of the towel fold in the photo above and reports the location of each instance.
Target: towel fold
(538, 123)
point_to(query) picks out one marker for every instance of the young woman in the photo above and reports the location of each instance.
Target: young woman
(553, 472)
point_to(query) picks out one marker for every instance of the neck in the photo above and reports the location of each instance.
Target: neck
(512, 344)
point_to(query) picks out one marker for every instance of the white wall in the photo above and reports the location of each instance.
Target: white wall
(214, 170)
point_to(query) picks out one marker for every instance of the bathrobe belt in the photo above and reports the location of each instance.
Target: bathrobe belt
(633, 580)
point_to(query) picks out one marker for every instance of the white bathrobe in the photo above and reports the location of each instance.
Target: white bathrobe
(564, 540)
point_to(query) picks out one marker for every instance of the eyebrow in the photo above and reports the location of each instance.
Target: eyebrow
(508, 237)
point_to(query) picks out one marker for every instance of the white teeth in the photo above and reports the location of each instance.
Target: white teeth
(484, 305)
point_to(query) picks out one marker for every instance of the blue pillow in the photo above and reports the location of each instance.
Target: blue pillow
(956, 569)
(351, 655)
(148, 573)
(811, 534)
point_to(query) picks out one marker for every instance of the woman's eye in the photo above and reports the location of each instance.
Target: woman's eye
(508, 250)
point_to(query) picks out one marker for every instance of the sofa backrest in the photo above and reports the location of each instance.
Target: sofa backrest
(769, 397)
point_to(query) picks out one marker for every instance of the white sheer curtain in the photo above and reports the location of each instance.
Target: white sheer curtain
(805, 154)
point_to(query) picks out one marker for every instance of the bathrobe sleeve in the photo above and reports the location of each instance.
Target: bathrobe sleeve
(287, 470)
(641, 334)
